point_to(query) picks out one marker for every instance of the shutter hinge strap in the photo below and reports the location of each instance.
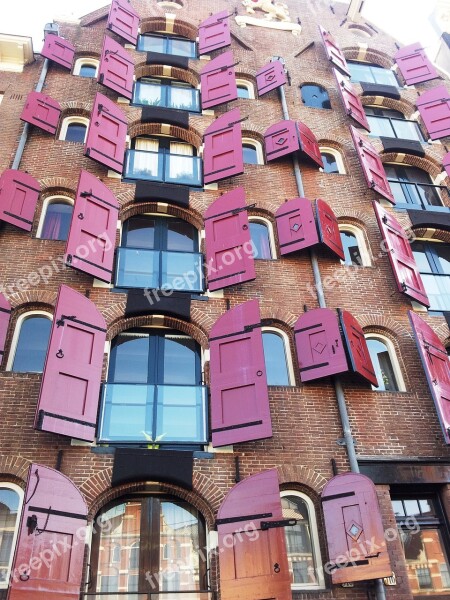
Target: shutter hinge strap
(243, 518)
(265, 525)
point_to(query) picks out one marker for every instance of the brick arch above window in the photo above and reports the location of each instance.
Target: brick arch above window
(428, 163)
(32, 300)
(361, 29)
(301, 475)
(368, 55)
(186, 75)
(432, 234)
(190, 136)
(404, 106)
(134, 208)
(179, 27)
(14, 469)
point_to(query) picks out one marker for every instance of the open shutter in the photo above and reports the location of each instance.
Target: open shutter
(218, 81)
(70, 388)
(334, 53)
(5, 314)
(123, 20)
(48, 562)
(42, 111)
(270, 76)
(320, 350)
(434, 108)
(351, 100)
(240, 409)
(296, 225)
(229, 255)
(105, 141)
(223, 155)
(92, 235)
(58, 50)
(252, 551)
(446, 163)
(414, 64)
(116, 68)
(281, 139)
(214, 33)
(357, 347)
(403, 263)
(328, 228)
(372, 166)
(354, 529)
(19, 193)
(308, 144)
(436, 366)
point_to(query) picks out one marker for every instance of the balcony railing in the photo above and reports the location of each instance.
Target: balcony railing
(183, 595)
(391, 127)
(421, 196)
(166, 96)
(163, 167)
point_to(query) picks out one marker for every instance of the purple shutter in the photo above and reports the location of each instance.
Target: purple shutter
(229, 255)
(334, 53)
(123, 20)
(328, 228)
(5, 314)
(446, 163)
(214, 33)
(240, 409)
(270, 76)
(49, 557)
(296, 225)
(106, 137)
(223, 155)
(351, 101)
(354, 528)
(320, 350)
(436, 366)
(249, 549)
(434, 108)
(116, 68)
(281, 139)
(357, 347)
(372, 166)
(58, 50)
(414, 64)
(19, 193)
(218, 81)
(403, 263)
(308, 144)
(70, 388)
(42, 111)
(92, 236)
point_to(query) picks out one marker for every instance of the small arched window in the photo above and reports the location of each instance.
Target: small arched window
(86, 67)
(245, 89)
(252, 151)
(385, 364)
(261, 234)
(55, 219)
(11, 497)
(315, 96)
(332, 161)
(74, 129)
(277, 357)
(30, 341)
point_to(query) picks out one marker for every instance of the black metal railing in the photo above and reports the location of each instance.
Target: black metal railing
(164, 167)
(392, 127)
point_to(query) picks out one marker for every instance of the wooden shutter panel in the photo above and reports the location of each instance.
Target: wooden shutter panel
(270, 76)
(446, 163)
(403, 263)
(58, 50)
(354, 529)
(320, 350)
(218, 81)
(223, 156)
(434, 108)
(308, 144)
(214, 33)
(328, 228)
(105, 141)
(116, 69)
(357, 349)
(351, 101)
(70, 388)
(436, 366)
(42, 111)
(334, 53)
(19, 193)
(49, 556)
(240, 409)
(252, 557)
(281, 139)
(5, 314)
(123, 20)
(414, 64)
(296, 225)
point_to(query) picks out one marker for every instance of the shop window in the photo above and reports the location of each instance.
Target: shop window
(11, 497)
(164, 44)
(370, 73)
(413, 188)
(30, 341)
(332, 161)
(355, 249)
(392, 124)
(261, 234)
(73, 129)
(385, 364)
(277, 357)
(433, 262)
(166, 93)
(55, 219)
(86, 67)
(315, 96)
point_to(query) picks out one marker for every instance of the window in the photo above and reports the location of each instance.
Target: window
(413, 188)
(277, 357)
(332, 161)
(371, 74)
(245, 89)
(385, 364)
(315, 96)
(86, 67)
(433, 262)
(252, 152)
(10, 507)
(163, 44)
(29, 346)
(392, 124)
(115, 554)
(261, 235)
(354, 244)
(74, 129)
(55, 219)
(166, 93)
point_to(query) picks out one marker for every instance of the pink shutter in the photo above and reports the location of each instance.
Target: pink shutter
(48, 562)
(270, 76)
(281, 139)
(320, 350)
(19, 193)
(105, 141)
(123, 20)
(436, 366)
(5, 314)
(372, 166)
(414, 64)
(351, 101)
(223, 155)
(357, 347)
(92, 236)
(116, 68)
(308, 144)
(229, 255)
(296, 225)
(218, 81)
(42, 111)
(434, 108)
(214, 33)
(403, 263)
(446, 163)
(354, 528)
(252, 548)
(58, 50)
(240, 409)
(334, 53)
(328, 228)
(70, 386)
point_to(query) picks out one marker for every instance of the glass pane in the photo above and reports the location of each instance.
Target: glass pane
(183, 98)
(275, 359)
(182, 48)
(129, 358)
(438, 291)
(406, 130)
(76, 132)
(250, 154)
(57, 221)
(329, 163)
(184, 170)
(379, 126)
(411, 507)
(397, 507)
(139, 232)
(151, 43)
(149, 94)
(182, 271)
(442, 252)
(259, 234)
(382, 365)
(181, 236)
(180, 361)
(142, 164)
(127, 413)
(88, 71)
(351, 249)
(137, 268)
(427, 508)
(243, 92)
(181, 414)
(9, 505)
(315, 96)
(32, 345)
(383, 76)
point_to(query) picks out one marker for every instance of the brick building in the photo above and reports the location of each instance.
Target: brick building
(223, 322)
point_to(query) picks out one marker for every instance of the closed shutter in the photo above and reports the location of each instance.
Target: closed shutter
(214, 33)
(5, 314)
(357, 349)
(403, 263)
(218, 81)
(334, 53)
(116, 69)
(270, 76)
(308, 144)
(414, 64)
(48, 562)
(296, 225)
(42, 111)
(123, 20)
(252, 553)
(70, 388)
(240, 409)
(19, 193)
(58, 50)
(223, 155)
(351, 101)
(328, 228)
(281, 139)
(434, 108)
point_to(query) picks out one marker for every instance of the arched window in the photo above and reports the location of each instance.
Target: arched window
(167, 93)
(390, 123)
(261, 234)
(11, 497)
(30, 341)
(371, 73)
(413, 188)
(252, 151)
(74, 129)
(55, 219)
(385, 364)
(167, 44)
(433, 261)
(315, 96)
(355, 249)
(86, 67)
(277, 357)
(245, 89)
(332, 161)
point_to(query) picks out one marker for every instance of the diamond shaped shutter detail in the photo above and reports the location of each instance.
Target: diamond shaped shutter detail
(116, 68)
(19, 193)
(223, 154)
(414, 64)
(270, 76)
(296, 225)
(218, 81)
(334, 53)
(357, 347)
(350, 99)
(214, 33)
(123, 20)
(58, 50)
(328, 228)
(281, 139)
(434, 108)
(5, 314)
(42, 111)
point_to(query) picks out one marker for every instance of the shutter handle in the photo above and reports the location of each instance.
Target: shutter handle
(24, 575)
(276, 568)
(259, 373)
(60, 354)
(81, 216)
(245, 227)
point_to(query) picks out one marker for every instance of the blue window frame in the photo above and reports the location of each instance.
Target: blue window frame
(163, 44)
(371, 74)
(315, 96)
(31, 348)
(433, 261)
(392, 124)
(413, 188)
(166, 93)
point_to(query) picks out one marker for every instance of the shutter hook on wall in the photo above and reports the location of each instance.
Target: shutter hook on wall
(35, 487)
